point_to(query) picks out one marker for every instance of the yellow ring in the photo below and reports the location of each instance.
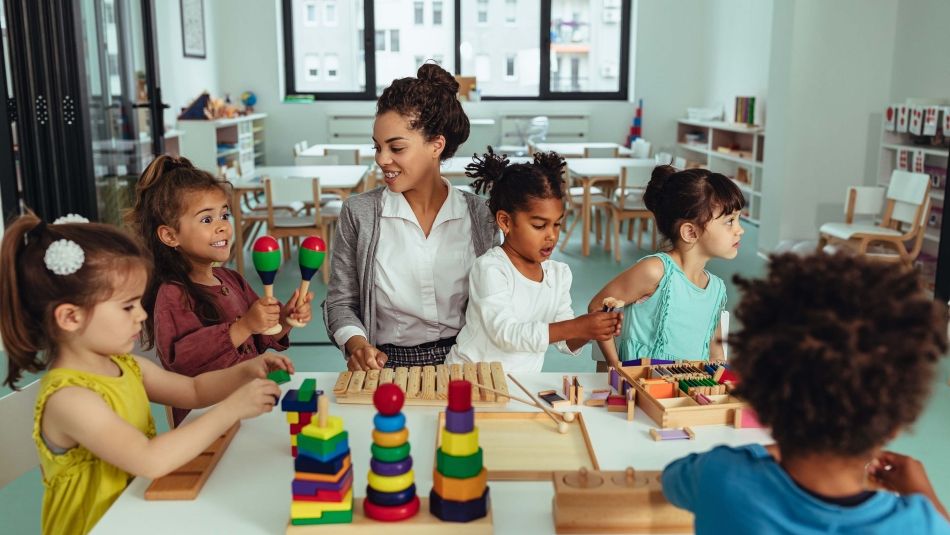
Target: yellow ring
(391, 440)
(389, 483)
(460, 444)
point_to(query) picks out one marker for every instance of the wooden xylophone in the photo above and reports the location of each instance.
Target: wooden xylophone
(425, 385)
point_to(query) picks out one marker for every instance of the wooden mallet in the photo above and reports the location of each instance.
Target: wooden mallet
(312, 252)
(266, 257)
(561, 426)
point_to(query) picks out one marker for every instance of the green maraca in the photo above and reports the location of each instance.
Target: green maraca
(312, 252)
(266, 258)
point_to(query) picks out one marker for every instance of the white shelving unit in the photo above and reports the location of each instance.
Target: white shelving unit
(749, 145)
(211, 144)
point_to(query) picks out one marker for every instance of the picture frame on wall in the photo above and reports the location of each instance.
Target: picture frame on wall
(193, 29)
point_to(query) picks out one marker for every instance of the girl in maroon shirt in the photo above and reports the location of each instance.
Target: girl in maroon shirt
(201, 317)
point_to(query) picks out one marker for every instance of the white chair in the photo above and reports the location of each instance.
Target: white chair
(640, 148)
(299, 147)
(679, 163)
(316, 160)
(16, 440)
(906, 201)
(344, 156)
(601, 152)
(535, 132)
(628, 204)
(320, 222)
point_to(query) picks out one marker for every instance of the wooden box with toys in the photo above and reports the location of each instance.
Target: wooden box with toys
(426, 385)
(680, 393)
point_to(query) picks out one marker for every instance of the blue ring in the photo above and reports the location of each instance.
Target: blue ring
(389, 499)
(389, 424)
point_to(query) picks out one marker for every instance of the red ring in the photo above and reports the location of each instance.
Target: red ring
(391, 513)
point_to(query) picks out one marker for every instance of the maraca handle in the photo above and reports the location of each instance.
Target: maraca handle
(269, 292)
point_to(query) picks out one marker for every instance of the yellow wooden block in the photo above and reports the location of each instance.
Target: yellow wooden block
(391, 440)
(390, 483)
(316, 509)
(460, 444)
(293, 440)
(334, 427)
(293, 417)
(459, 490)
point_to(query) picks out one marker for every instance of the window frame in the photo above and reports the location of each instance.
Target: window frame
(369, 57)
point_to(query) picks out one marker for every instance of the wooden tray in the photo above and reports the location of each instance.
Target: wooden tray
(186, 482)
(425, 385)
(421, 524)
(525, 446)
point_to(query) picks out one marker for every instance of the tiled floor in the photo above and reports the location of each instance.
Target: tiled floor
(20, 502)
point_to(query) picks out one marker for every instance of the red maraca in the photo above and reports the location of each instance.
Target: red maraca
(266, 258)
(311, 255)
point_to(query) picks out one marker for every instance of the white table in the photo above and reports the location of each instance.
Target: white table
(249, 490)
(366, 150)
(591, 170)
(576, 150)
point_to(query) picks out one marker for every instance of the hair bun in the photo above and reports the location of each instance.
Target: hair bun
(432, 73)
(654, 191)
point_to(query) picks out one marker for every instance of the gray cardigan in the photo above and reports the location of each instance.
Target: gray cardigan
(351, 296)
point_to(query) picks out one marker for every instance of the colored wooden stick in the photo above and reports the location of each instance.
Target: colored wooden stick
(568, 416)
(266, 258)
(310, 257)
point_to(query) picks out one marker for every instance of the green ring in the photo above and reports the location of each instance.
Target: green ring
(390, 455)
(458, 467)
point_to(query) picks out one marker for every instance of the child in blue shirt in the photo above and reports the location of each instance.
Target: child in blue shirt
(836, 355)
(673, 302)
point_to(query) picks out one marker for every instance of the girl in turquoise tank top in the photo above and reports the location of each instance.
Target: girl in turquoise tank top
(673, 302)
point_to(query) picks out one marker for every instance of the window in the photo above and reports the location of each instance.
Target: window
(517, 49)
(418, 10)
(310, 17)
(511, 12)
(312, 67)
(329, 13)
(332, 64)
(394, 40)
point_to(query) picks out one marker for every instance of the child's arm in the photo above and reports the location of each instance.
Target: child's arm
(269, 311)
(634, 284)
(681, 479)
(570, 333)
(716, 353)
(208, 388)
(904, 475)
(75, 415)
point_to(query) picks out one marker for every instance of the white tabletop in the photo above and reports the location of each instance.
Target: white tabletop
(605, 167)
(455, 167)
(249, 490)
(331, 176)
(576, 150)
(366, 149)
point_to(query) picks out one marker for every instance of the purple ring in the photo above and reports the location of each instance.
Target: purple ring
(460, 421)
(397, 468)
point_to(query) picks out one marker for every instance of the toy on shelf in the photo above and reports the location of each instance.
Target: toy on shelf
(310, 256)
(266, 257)
(323, 484)
(628, 501)
(459, 492)
(300, 405)
(677, 394)
(391, 490)
(425, 385)
(186, 482)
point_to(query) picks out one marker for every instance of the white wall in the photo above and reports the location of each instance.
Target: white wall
(829, 80)
(183, 79)
(920, 69)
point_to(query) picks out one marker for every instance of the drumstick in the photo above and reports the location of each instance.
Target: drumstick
(561, 426)
(567, 416)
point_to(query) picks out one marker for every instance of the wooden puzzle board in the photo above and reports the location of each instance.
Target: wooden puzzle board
(186, 482)
(525, 446)
(425, 385)
(421, 524)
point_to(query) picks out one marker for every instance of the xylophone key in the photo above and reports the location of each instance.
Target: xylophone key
(442, 381)
(455, 372)
(371, 381)
(471, 375)
(386, 376)
(484, 377)
(342, 382)
(428, 382)
(402, 377)
(356, 382)
(498, 380)
(415, 382)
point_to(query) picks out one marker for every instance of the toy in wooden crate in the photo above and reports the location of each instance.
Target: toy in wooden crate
(426, 385)
(680, 393)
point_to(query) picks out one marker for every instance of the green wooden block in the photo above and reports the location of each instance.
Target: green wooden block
(318, 446)
(328, 517)
(458, 467)
(305, 393)
(389, 455)
(279, 376)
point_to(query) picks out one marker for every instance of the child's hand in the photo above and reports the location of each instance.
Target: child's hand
(366, 357)
(900, 473)
(302, 313)
(262, 315)
(254, 398)
(268, 362)
(600, 325)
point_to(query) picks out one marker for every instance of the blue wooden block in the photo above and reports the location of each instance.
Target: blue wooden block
(453, 511)
(387, 499)
(341, 447)
(306, 464)
(290, 403)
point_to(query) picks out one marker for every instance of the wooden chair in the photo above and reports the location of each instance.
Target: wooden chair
(628, 204)
(320, 222)
(16, 440)
(344, 156)
(906, 201)
(599, 202)
(601, 152)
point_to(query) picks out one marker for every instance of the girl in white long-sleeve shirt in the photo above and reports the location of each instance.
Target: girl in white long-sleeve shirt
(519, 299)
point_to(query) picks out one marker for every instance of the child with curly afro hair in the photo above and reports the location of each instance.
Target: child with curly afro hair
(837, 356)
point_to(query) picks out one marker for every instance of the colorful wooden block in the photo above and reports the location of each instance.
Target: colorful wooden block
(391, 498)
(315, 509)
(279, 376)
(305, 486)
(460, 421)
(455, 511)
(552, 398)
(391, 440)
(391, 513)
(293, 442)
(322, 450)
(292, 403)
(390, 483)
(390, 455)
(672, 434)
(302, 418)
(329, 517)
(459, 467)
(303, 463)
(460, 444)
(460, 396)
(333, 428)
(305, 394)
(326, 478)
(459, 490)
(746, 418)
(316, 494)
(390, 469)
(389, 424)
